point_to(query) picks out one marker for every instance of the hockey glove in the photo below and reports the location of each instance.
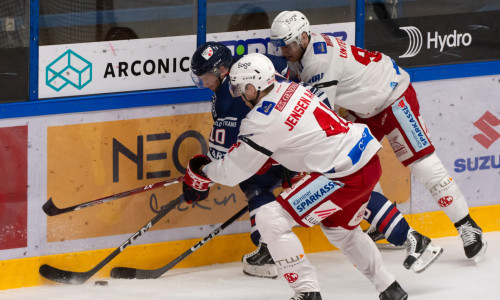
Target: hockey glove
(196, 186)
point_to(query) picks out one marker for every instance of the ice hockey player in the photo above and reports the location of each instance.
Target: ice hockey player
(290, 125)
(211, 71)
(378, 93)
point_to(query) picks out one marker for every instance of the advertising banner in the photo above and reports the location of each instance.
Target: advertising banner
(14, 183)
(436, 40)
(93, 160)
(141, 64)
(463, 117)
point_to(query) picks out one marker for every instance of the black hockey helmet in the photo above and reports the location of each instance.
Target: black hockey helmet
(209, 57)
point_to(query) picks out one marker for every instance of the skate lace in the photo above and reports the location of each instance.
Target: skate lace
(411, 244)
(468, 233)
(370, 230)
(253, 253)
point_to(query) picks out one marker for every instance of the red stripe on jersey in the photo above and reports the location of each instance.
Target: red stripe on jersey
(327, 40)
(286, 96)
(387, 219)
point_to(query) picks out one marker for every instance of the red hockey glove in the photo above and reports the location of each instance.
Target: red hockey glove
(196, 186)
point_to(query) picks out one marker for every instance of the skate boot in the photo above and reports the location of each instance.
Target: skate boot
(393, 292)
(376, 236)
(307, 296)
(260, 263)
(472, 237)
(421, 252)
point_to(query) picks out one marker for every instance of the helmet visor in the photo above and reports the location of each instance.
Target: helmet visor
(197, 81)
(235, 90)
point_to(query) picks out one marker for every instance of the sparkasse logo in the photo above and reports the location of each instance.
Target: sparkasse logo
(68, 68)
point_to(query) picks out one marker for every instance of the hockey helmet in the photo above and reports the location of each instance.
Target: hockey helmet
(288, 27)
(208, 58)
(255, 69)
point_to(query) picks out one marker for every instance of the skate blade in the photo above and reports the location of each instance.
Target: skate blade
(480, 255)
(389, 246)
(431, 253)
(263, 271)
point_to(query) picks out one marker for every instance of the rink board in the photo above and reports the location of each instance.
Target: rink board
(222, 249)
(78, 157)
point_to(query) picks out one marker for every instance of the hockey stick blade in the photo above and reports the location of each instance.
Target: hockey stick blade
(70, 277)
(52, 210)
(132, 273)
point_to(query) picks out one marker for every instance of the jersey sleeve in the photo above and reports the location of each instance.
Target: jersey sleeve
(242, 162)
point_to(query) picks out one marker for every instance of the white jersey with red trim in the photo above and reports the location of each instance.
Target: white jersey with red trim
(362, 81)
(301, 133)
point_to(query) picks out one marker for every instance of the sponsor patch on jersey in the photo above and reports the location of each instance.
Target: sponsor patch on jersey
(207, 53)
(394, 84)
(322, 212)
(410, 125)
(286, 96)
(316, 191)
(266, 107)
(399, 146)
(319, 48)
(359, 148)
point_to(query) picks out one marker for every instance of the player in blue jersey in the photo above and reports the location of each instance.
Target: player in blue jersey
(210, 66)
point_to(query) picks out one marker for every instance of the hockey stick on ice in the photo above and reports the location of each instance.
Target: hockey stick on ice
(52, 210)
(70, 277)
(130, 273)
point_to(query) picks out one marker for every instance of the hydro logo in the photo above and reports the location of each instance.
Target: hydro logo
(68, 68)
(435, 40)
(490, 135)
(260, 45)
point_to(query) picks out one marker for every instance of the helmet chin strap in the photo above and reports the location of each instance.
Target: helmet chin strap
(254, 101)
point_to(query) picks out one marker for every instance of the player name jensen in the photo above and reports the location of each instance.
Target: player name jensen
(298, 110)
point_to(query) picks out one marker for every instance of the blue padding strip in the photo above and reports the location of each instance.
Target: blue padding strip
(104, 102)
(360, 24)
(33, 64)
(454, 71)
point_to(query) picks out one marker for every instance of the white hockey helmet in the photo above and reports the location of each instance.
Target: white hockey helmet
(255, 69)
(288, 27)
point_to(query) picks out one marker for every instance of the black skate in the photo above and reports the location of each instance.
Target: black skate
(260, 263)
(378, 236)
(393, 292)
(421, 252)
(307, 296)
(472, 237)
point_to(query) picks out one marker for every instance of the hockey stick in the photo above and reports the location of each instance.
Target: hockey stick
(70, 277)
(52, 210)
(131, 273)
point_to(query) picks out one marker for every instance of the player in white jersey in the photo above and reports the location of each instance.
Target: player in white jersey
(288, 124)
(377, 93)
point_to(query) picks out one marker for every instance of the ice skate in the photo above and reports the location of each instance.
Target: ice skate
(421, 252)
(260, 263)
(378, 237)
(472, 237)
(307, 296)
(393, 292)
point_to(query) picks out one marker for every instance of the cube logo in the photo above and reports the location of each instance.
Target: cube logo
(69, 68)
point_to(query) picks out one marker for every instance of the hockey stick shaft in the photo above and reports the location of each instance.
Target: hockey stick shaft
(52, 210)
(130, 273)
(70, 277)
